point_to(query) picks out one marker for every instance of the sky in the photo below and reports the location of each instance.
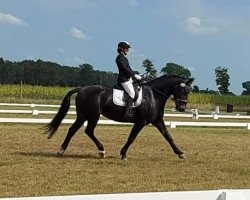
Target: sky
(197, 34)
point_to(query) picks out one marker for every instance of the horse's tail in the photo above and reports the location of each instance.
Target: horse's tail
(52, 127)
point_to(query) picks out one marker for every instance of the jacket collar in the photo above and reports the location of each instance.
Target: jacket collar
(123, 54)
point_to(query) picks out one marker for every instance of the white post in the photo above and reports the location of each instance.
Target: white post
(35, 112)
(248, 126)
(217, 110)
(172, 125)
(215, 116)
(195, 113)
(32, 105)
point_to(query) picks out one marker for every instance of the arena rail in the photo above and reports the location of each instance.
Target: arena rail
(32, 105)
(172, 124)
(192, 195)
(214, 116)
(194, 112)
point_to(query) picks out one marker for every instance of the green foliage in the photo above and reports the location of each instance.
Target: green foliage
(57, 93)
(52, 74)
(222, 79)
(151, 72)
(172, 68)
(246, 86)
(219, 100)
(35, 92)
(195, 89)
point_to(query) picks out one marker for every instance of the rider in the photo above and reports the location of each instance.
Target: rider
(126, 74)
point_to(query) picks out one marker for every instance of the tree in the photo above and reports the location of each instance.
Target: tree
(246, 86)
(222, 79)
(1, 61)
(172, 68)
(86, 74)
(208, 91)
(195, 89)
(151, 72)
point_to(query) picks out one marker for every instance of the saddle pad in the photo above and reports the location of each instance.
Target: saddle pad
(118, 98)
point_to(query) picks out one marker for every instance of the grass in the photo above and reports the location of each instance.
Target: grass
(216, 158)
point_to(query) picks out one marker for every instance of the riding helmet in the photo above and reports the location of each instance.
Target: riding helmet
(124, 45)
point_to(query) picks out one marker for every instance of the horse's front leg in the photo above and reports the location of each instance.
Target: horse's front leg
(160, 125)
(133, 134)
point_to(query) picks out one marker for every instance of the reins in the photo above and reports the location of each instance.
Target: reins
(164, 95)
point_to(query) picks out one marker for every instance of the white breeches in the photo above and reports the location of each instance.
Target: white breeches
(129, 88)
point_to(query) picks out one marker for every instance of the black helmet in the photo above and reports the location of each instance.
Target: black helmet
(124, 44)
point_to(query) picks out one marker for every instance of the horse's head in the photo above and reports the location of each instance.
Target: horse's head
(180, 93)
(174, 85)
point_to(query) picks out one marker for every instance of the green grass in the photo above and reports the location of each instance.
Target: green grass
(216, 158)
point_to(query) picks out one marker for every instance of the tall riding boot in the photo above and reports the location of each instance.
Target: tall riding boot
(129, 106)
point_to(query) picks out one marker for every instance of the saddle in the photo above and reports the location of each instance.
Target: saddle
(120, 96)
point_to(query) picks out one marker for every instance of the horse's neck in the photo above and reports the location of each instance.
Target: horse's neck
(154, 97)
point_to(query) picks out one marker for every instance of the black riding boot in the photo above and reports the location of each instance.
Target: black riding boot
(129, 106)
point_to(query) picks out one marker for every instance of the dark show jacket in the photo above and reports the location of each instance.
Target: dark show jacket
(125, 72)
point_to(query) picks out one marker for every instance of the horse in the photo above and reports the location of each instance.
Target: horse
(92, 101)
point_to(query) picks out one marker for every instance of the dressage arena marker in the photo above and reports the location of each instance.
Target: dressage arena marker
(192, 195)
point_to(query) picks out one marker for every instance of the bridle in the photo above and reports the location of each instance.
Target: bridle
(177, 101)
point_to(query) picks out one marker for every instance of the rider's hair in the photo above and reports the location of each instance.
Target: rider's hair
(119, 49)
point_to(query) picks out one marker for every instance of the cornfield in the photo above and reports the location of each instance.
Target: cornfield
(19, 92)
(197, 98)
(32, 92)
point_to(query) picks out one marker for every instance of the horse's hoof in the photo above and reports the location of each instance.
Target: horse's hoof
(182, 156)
(60, 152)
(124, 158)
(102, 154)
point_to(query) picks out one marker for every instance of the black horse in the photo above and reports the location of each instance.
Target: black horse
(91, 101)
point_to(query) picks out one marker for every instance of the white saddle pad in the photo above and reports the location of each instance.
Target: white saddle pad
(118, 98)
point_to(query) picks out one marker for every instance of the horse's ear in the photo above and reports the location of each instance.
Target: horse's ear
(190, 81)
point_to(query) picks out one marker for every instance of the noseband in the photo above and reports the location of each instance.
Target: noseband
(178, 101)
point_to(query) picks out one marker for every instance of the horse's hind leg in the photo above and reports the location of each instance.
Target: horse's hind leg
(71, 132)
(90, 132)
(133, 134)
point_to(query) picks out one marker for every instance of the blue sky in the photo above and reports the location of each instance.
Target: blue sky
(198, 34)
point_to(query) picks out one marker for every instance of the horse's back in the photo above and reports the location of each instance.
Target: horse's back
(88, 99)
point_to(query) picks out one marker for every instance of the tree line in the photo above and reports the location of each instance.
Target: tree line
(52, 74)
(222, 78)
(47, 73)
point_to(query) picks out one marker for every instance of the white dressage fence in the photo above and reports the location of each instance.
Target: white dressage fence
(172, 124)
(214, 116)
(32, 105)
(194, 112)
(189, 195)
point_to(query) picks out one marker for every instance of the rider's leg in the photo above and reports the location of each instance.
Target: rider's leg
(129, 88)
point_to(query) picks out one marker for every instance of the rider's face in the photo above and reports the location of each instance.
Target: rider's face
(125, 51)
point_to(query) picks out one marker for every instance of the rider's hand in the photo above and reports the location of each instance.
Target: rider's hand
(138, 77)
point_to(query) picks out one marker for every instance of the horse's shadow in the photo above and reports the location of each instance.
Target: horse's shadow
(54, 155)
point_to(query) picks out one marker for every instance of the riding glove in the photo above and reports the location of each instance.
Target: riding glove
(138, 77)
